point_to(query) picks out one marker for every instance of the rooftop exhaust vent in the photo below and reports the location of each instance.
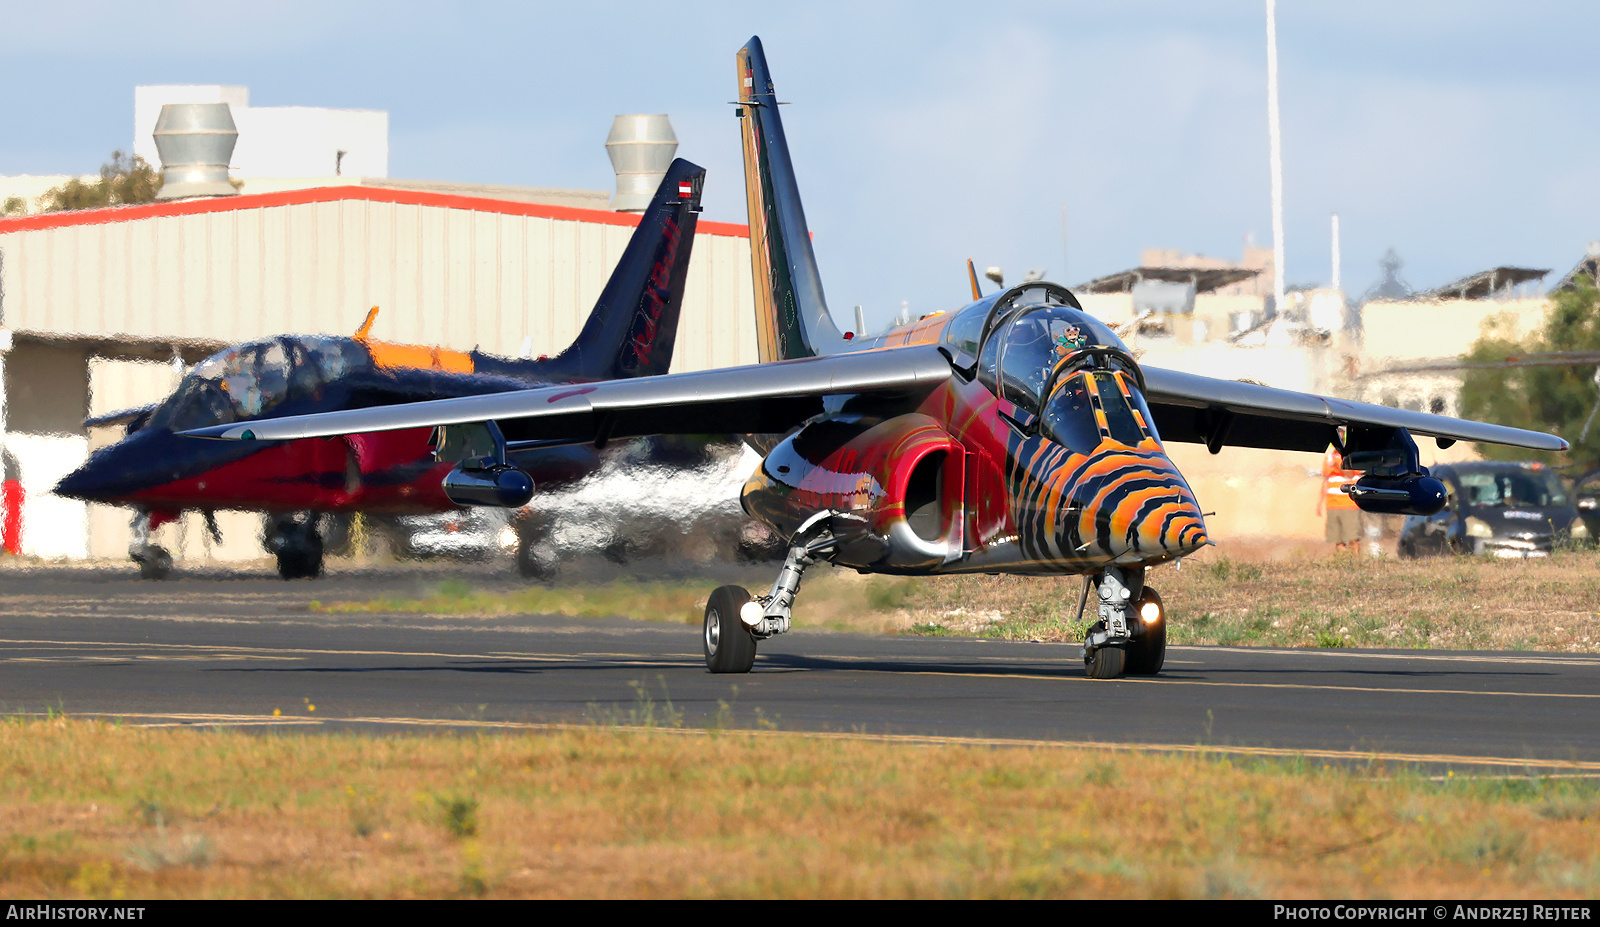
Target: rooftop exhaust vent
(196, 144)
(641, 150)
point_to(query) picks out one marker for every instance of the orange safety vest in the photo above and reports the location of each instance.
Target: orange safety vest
(1334, 478)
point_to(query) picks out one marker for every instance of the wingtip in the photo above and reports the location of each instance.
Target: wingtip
(221, 433)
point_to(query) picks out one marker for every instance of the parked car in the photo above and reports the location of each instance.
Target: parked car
(1586, 492)
(464, 534)
(1496, 509)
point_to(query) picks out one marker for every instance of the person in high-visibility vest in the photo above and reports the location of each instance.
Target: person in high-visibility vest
(1344, 521)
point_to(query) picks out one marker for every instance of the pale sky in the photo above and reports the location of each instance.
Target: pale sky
(1462, 134)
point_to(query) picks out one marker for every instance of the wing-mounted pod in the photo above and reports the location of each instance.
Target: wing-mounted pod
(483, 476)
(1395, 481)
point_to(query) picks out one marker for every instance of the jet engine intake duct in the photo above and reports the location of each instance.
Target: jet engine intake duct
(1395, 481)
(497, 484)
(899, 480)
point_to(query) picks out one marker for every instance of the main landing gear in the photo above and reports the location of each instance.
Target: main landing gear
(1130, 637)
(735, 620)
(536, 558)
(297, 544)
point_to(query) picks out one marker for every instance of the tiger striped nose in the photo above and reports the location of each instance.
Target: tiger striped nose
(1175, 530)
(1147, 514)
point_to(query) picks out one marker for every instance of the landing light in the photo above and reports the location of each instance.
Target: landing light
(1150, 612)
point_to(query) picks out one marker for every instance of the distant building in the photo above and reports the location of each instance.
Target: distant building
(1585, 273)
(1253, 258)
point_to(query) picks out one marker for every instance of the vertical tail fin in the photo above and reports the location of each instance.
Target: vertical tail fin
(634, 324)
(791, 314)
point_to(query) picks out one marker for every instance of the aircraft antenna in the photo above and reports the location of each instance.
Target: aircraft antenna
(972, 276)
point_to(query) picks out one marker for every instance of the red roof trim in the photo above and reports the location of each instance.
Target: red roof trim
(113, 214)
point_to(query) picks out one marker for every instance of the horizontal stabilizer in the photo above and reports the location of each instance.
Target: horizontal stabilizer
(119, 417)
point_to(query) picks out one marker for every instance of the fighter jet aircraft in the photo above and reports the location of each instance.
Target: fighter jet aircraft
(629, 333)
(1016, 434)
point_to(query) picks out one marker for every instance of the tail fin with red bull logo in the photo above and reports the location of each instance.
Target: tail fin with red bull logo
(634, 324)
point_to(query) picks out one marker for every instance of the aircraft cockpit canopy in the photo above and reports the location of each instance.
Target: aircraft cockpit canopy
(1028, 343)
(1091, 379)
(250, 380)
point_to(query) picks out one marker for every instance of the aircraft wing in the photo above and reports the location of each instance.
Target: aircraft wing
(758, 399)
(775, 397)
(1213, 412)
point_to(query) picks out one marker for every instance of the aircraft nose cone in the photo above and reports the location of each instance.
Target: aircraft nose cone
(1174, 528)
(115, 473)
(1141, 511)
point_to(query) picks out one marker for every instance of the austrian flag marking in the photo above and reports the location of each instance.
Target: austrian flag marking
(685, 189)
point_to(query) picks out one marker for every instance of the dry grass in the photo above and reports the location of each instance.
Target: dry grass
(1341, 600)
(1308, 600)
(99, 811)
(834, 600)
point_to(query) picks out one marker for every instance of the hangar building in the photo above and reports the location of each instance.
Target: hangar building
(99, 309)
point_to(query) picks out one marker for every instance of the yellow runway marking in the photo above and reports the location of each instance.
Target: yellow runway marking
(1577, 659)
(688, 661)
(1066, 676)
(233, 652)
(1394, 691)
(193, 719)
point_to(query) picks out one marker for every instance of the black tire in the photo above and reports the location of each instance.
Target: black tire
(338, 532)
(157, 564)
(1105, 662)
(535, 560)
(1148, 649)
(728, 645)
(619, 550)
(301, 562)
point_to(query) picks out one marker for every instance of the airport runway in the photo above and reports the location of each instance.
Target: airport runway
(243, 649)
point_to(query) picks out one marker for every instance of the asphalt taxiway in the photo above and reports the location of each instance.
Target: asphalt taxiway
(244, 649)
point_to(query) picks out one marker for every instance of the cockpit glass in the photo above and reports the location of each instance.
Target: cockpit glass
(252, 379)
(1120, 420)
(1068, 417)
(965, 330)
(1137, 400)
(1032, 343)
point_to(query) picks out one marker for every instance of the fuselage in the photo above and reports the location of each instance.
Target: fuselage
(1038, 455)
(155, 468)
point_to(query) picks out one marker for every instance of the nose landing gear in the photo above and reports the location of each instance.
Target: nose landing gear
(1130, 638)
(154, 561)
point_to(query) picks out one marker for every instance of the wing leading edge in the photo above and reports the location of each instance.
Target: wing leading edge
(758, 399)
(1213, 412)
(775, 397)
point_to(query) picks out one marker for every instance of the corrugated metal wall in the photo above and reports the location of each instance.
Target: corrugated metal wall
(449, 276)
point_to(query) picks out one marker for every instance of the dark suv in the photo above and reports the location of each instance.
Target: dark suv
(1496, 509)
